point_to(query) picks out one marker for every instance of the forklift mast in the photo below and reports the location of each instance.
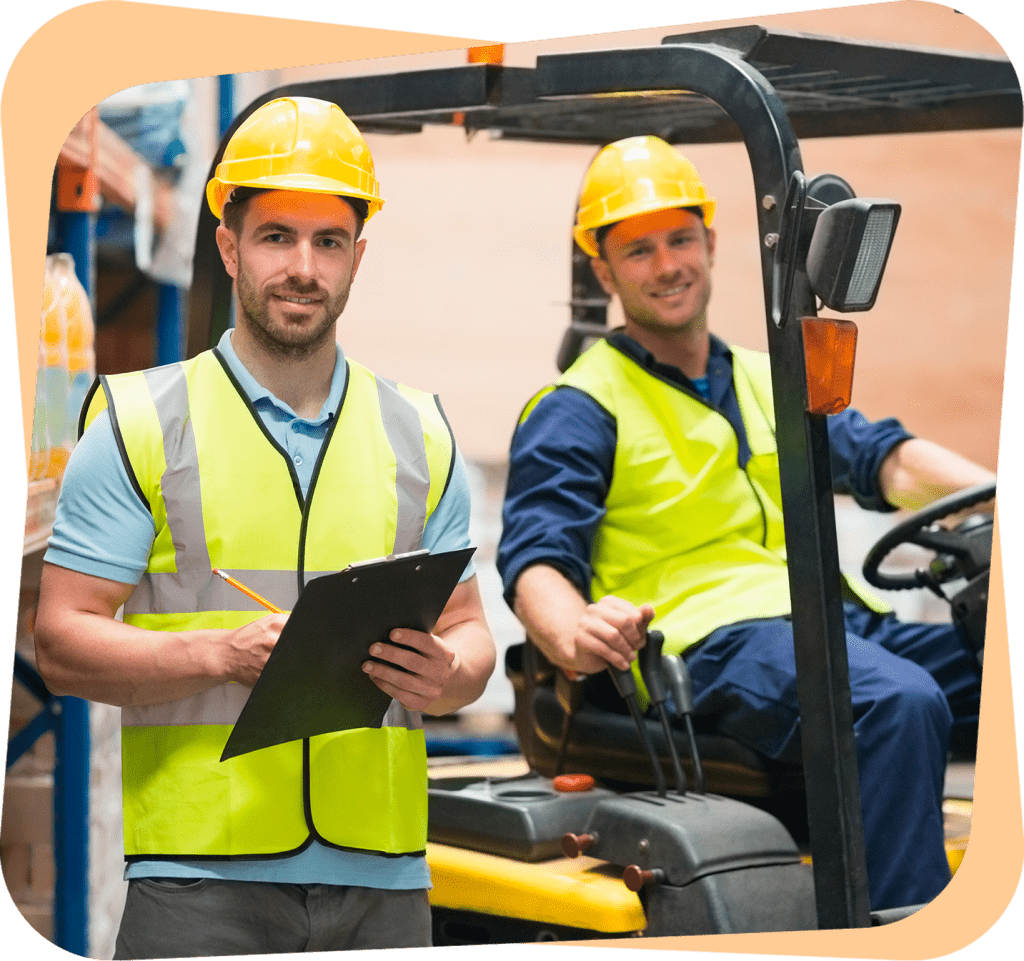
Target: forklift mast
(743, 84)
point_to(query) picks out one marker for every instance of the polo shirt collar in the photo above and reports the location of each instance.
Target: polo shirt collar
(256, 392)
(719, 358)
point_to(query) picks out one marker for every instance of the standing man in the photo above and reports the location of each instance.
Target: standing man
(276, 458)
(644, 489)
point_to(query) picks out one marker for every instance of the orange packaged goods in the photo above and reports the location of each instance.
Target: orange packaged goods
(66, 367)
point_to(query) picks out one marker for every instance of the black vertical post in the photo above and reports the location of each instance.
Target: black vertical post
(819, 637)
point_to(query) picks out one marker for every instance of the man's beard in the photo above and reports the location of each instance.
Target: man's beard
(288, 342)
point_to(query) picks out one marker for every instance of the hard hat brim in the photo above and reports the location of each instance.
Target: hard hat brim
(218, 191)
(586, 237)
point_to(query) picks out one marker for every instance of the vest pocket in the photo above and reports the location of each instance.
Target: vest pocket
(179, 799)
(368, 789)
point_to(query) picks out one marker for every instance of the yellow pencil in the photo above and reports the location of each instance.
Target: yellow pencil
(245, 590)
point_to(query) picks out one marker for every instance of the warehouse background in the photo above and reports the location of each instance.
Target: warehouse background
(464, 292)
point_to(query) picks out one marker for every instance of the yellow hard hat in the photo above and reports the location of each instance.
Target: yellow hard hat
(634, 176)
(297, 143)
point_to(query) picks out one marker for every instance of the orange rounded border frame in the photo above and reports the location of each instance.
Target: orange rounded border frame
(40, 74)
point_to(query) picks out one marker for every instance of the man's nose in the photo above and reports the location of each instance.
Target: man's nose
(664, 262)
(301, 263)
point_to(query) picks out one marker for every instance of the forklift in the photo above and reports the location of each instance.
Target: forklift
(592, 843)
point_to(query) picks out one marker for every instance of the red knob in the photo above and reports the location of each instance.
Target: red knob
(573, 845)
(569, 783)
(634, 877)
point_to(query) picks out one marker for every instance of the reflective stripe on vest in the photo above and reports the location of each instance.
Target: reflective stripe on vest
(362, 789)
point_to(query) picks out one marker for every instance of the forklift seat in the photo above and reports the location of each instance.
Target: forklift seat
(597, 741)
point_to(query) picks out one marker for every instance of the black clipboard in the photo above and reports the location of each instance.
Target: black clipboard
(313, 681)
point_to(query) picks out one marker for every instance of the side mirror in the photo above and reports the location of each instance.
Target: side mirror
(848, 252)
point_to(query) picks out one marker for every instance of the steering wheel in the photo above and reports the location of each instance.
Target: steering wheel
(964, 551)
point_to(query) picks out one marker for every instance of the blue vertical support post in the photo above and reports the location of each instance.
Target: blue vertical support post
(77, 232)
(71, 820)
(169, 325)
(226, 90)
(77, 202)
(226, 87)
(68, 719)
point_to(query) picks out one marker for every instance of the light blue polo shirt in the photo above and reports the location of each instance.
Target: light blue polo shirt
(96, 488)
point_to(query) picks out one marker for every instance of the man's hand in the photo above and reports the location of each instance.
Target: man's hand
(246, 649)
(84, 650)
(427, 664)
(573, 634)
(917, 472)
(610, 631)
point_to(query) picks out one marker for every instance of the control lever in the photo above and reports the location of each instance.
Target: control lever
(569, 693)
(573, 845)
(626, 686)
(677, 676)
(635, 877)
(650, 659)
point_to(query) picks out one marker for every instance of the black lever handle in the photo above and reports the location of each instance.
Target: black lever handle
(650, 658)
(678, 677)
(625, 684)
(650, 666)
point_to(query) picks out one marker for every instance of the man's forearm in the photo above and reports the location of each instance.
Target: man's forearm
(576, 635)
(475, 657)
(101, 659)
(549, 607)
(463, 627)
(917, 472)
(83, 650)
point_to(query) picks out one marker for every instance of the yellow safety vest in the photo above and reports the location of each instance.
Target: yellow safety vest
(223, 495)
(686, 529)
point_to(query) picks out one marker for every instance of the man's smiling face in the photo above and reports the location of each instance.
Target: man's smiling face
(293, 261)
(659, 266)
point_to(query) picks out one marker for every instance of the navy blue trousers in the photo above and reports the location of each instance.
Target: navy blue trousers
(911, 685)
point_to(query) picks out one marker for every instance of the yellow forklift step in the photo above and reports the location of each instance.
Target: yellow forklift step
(576, 892)
(956, 815)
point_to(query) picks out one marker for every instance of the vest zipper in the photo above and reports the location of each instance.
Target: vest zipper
(307, 503)
(757, 400)
(303, 502)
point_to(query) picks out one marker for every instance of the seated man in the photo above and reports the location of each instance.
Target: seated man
(644, 488)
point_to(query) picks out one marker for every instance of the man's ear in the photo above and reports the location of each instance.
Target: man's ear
(604, 275)
(711, 238)
(227, 244)
(357, 255)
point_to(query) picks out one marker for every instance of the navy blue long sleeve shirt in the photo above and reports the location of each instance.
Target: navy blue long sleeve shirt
(561, 458)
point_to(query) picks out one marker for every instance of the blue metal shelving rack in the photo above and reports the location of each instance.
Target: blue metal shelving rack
(74, 232)
(66, 717)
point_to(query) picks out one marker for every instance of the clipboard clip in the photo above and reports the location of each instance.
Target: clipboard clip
(422, 552)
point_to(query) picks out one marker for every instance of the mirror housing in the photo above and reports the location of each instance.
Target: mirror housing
(849, 250)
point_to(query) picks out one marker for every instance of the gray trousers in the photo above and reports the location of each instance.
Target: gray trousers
(209, 918)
